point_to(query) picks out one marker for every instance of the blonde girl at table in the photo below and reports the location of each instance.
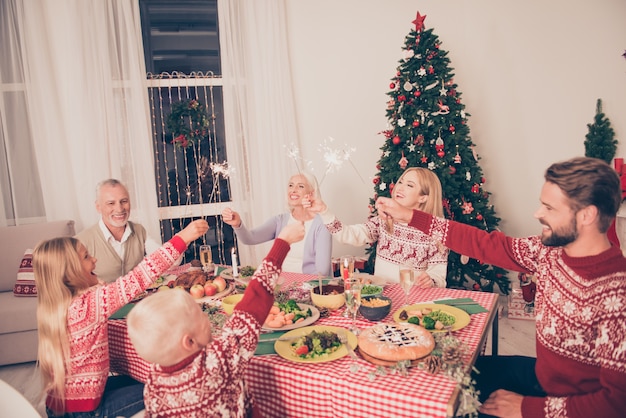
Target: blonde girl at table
(310, 256)
(398, 245)
(193, 374)
(73, 307)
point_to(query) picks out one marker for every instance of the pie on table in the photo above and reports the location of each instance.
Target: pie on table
(393, 342)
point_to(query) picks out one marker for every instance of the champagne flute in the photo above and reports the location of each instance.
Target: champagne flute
(352, 293)
(206, 257)
(346, 271)
(407, 279)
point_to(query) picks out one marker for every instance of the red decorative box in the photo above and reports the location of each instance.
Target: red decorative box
(518, 307)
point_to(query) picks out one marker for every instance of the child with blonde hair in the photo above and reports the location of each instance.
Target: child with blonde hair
(398, 245)
(72, 311)
(193, 374)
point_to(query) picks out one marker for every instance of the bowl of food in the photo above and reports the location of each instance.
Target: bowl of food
(371, 290)
(330, 297)
(375, 308)
(229, 302)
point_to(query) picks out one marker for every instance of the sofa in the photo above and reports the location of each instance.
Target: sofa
(18, 315)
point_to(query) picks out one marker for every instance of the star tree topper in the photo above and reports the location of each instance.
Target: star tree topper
(419, 22)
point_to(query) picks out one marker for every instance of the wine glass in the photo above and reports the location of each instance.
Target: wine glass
(407, 280)
(206, 257)
(352, 293)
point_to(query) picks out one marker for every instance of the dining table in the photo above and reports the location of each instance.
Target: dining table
(347, 386)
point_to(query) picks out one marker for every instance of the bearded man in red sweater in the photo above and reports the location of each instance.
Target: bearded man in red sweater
(580, 304)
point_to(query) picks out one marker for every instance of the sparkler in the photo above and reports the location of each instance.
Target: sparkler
(335, 158)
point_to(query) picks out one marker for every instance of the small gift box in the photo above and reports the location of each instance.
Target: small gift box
(518, 307)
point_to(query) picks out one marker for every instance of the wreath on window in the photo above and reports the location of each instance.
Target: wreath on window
(187, 123)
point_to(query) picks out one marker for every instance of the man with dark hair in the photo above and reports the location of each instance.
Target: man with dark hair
(580, 304)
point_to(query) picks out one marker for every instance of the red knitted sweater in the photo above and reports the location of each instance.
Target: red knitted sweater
(580, 308)
(210, 383)
(87, 327)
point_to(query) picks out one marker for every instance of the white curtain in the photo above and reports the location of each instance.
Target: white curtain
(86, 99)
(259, 109)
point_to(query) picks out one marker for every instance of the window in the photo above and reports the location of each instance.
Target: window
(181, 44)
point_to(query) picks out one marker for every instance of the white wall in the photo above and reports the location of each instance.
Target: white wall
(529, 72)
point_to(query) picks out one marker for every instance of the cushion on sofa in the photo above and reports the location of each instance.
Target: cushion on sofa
(25, 283)
(15, 239)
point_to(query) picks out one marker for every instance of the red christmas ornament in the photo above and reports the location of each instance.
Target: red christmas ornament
(431, 70)
(398, 73)
(377, 166)
(376, 180)
(479, 217)
(476, 286)
(392, 86)
(403, 161)
(451, 129)
(424, 159)
(417, 93)
(452, 169)
(475, 188)
(467, 208)
(396, 140)
(416, 123)
(452, 92)
(439, 147)
(483, 180)
(419, 140)
(402, 98)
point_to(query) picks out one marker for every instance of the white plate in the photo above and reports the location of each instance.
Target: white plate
(229, 289)
(377, 280)
(315, 314)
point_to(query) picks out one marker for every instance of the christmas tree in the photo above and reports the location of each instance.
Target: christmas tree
(428, 128)
(600, 142)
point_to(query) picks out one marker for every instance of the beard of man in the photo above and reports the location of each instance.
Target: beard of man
(562, 236)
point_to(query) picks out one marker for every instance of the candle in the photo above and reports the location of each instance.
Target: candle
(234, 259)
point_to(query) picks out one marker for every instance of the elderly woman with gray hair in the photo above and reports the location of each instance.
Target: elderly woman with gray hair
(313, 254)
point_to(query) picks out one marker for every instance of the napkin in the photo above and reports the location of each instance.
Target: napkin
(466, 304)
(123, 311)
(267, 347)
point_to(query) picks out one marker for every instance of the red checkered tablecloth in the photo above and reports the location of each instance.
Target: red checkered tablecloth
(287, 389)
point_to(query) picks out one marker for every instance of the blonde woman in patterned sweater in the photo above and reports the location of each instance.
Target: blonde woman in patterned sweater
(580, 304)
(72, 313)
(192, 374)
(398, 244)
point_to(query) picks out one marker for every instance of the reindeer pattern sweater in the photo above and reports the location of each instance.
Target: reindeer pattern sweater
(210, 383)
(580, 308)
(87, 326)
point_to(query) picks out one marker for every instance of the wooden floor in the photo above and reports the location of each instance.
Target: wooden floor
(515, 337)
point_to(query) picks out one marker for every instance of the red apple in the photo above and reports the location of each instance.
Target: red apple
(220, 283)
(197, 291)
(210, 289)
